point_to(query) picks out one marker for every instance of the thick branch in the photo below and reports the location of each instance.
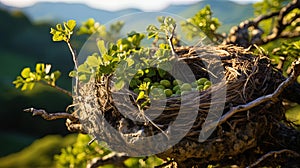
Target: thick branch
(50, 116)
(239, 35)
(280, 26)
(73, 124)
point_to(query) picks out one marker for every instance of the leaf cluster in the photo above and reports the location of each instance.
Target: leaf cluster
(288, 52)
(202, 24)
(28, 78)
(63, 33)
(90, 27)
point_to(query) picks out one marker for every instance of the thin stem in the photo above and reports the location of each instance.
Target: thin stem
(170, 40)
(75, 64)
(57, 88)
(73, 55)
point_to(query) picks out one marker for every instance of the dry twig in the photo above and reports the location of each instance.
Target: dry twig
(273, 153)
(50, 116)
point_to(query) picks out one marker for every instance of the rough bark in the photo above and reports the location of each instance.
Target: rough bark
(249, 32)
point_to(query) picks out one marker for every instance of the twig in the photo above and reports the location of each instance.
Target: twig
(51, 116)
(76, 66)
(273, 153)
(117, 159)
(57, 88)
(73, 55)
(170, 41)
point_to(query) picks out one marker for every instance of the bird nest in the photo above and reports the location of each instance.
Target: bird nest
(240, 127)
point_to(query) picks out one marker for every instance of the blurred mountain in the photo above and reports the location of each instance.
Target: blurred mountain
(228, 12)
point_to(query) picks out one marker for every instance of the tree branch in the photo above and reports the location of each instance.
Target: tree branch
(73, 124)
(270, 97)
(273, 153)
(50, 116)
(239, 35)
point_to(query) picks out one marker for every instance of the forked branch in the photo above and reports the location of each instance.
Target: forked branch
(240, 35)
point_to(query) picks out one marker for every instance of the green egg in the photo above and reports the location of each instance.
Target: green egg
(165, 83)
(175, 88)
(168, 92)
(186, 87)
(200, 87)
(201, 81)
(177, 82)
(147, 80)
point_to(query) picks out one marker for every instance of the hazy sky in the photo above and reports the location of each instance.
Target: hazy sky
(147, 5)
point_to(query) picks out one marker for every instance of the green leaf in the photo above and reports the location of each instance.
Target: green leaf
(119, 84)
(107, 58)
(58, 36)
(71, 24)
(84, 68)
(59, 27)
(40, 68)
(144, 86)
(30, 85)
(101, 47)
(152, 34)
(161, 73)
(129, 61)
(25, 72)
(93, 61)
(24, 87)
(83, 77)
(140, 96)
(55, 75)
(161, 19)
(72, 74)
(52, 31)
(38, 76)
(18, 82)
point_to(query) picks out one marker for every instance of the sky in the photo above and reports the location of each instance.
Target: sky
(146, 5)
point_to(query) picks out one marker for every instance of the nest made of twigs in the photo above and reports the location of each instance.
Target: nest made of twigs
(247, 76)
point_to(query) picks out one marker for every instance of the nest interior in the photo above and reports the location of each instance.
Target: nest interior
(246, 77)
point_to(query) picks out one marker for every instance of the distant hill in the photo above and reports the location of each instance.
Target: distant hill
(229, 13)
